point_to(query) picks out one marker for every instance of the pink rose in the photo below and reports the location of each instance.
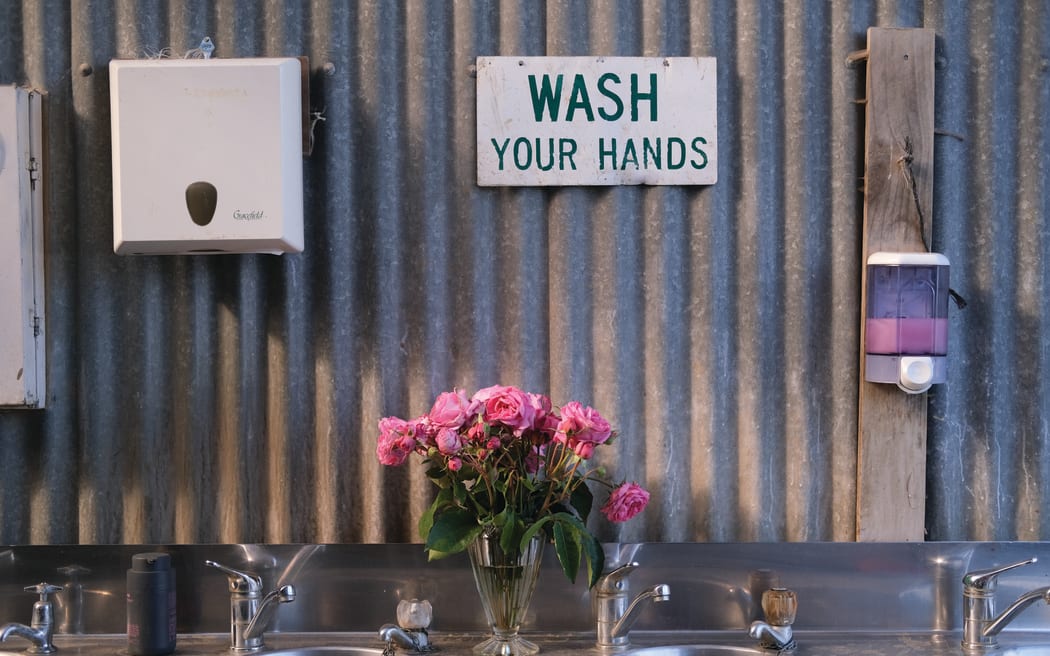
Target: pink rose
(477, 402)
(508, 406)
(448, 441)
(426, 431)
(476, 433)
(545, 422)
(455, 464)
(397, 439)
(581, 429)
(625, 502)
(450, 409)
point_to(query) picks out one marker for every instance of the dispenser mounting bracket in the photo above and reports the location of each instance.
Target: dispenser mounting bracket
(898, 184)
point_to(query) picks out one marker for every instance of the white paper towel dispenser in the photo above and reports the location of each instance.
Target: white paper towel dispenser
(207, 155)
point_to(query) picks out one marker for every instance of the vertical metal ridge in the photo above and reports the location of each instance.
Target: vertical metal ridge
(235, 398)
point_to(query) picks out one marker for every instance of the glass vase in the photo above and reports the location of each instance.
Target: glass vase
(505, 583)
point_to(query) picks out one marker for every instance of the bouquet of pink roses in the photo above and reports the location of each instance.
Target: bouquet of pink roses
(507, 462)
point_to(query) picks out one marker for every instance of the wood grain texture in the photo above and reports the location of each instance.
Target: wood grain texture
(891, 450)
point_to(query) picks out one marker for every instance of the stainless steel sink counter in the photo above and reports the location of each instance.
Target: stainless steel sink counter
(684, 643)
(853, 598)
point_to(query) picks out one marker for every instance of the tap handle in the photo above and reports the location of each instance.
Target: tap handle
(615, 581)
(43, 589)
(985, 579)
(414, 614)
(779, 606)
(240, 582)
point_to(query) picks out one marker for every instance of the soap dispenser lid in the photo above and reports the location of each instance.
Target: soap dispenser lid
(884, 258)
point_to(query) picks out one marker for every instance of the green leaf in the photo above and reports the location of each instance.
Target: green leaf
(570, 519)
(502, 517)
(437, 475)
(589, 545)
(567, 546)
(426, 521)
(452, 531)
(510, 531)
(595, 558)
(582, 500)
(433, 554)
(536, 527)
(529, 483)
(459, 492)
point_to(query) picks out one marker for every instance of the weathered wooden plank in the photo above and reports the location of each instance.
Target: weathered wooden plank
(898, 202)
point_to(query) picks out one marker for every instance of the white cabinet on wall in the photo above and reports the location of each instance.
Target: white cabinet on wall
(22, 381)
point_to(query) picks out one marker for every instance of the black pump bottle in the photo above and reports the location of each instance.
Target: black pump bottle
(151, 605)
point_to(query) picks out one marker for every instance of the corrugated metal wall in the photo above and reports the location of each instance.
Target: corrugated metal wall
(234, 398)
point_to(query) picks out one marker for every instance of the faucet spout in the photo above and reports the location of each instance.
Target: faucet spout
(657, 593)
(40, 638)
(267, 610)
(1024, 601)
(414, 640)
(779, 638)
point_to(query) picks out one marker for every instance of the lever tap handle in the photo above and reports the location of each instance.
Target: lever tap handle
(615, 582)
(984, 580)
(240, 582)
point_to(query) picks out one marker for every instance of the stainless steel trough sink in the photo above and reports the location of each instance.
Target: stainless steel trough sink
(326, 651)
(694, 650)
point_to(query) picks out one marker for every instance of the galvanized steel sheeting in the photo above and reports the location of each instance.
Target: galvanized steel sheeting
(235, 398)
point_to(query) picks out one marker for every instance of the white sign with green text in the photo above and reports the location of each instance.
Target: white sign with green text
(545, 121)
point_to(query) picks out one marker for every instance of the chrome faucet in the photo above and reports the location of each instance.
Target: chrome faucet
(779, 606)
(41, 625)
(251, 613)
(410, 632)
(980, 625)
(614, 614)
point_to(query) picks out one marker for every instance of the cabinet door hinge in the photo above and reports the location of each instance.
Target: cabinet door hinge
(33, 166)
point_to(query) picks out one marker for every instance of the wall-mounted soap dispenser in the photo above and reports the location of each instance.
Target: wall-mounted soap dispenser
(906, 328)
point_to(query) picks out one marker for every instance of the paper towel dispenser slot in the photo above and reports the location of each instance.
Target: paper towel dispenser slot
(201, 198)
(230, 179)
